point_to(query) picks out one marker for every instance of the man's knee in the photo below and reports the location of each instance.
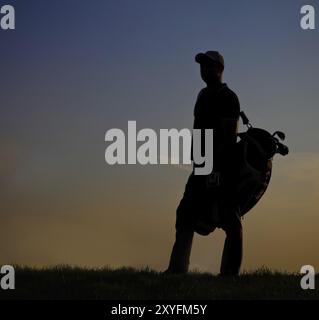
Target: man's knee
(233, 227)
(184, 233)
(184, 221)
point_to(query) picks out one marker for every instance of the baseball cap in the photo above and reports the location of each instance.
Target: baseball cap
(210, 56)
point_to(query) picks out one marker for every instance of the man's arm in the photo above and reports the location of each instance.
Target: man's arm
(228, 129)
(196, 124)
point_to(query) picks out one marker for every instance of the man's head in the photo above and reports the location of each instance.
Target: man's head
(211, 66)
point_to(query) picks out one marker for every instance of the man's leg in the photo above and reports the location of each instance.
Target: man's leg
(233, 247)
(180, 256)
(184, 233)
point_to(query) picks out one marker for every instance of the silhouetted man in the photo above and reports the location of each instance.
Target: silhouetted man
(217, 107)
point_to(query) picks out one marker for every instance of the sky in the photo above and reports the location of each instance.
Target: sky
(74, 69)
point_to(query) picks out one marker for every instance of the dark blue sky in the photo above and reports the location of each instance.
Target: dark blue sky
(110, 61)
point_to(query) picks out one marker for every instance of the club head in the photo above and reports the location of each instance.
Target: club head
(280, 135)
(282, 149)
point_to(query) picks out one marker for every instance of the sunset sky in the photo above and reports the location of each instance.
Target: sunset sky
(74, 69)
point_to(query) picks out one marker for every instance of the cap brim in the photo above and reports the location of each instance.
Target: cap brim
(204, 58)
(200, 57)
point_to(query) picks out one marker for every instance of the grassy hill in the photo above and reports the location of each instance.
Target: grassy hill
(64, 282)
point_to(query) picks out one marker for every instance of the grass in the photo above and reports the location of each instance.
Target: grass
(65, 282)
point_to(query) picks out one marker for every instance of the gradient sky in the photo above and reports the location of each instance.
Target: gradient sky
(73, 69)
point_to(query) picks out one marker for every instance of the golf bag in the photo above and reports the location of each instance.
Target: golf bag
(254, 152)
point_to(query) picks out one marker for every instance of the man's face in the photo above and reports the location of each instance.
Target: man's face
(211, 72)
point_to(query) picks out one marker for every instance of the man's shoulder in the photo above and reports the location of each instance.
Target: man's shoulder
(202, 92)
(225, 90)
(231, 99)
